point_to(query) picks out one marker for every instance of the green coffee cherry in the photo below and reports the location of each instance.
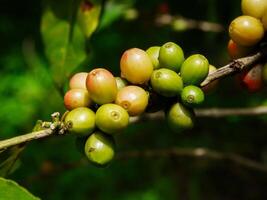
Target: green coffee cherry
(171, 56)
(194, 69)
(121, 83)
(166, 82)
(153, 53)
(111, 118)
(82, 120)
(100, 149)
(192, 96)
(179, 118)
(102, 86)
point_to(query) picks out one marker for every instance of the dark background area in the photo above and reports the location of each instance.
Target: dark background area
(51, 168)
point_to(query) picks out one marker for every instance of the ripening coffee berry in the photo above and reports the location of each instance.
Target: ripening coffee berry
(134, 99)
(179, 117)
(78, 81)
(253, 79)
(136, 66)
(246, 30)
(192, 96)
(171, 56)
(254, 8)
(121, 83)
(237, 51)
(111, 118)
(102, 86)
(100, 149)
(82, 120)
(213, 85)
(166, 82)
(194, 69)
(75, 98)
(264, 20)
(153, 53)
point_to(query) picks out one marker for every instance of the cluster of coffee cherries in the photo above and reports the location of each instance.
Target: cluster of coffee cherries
(247, 32)
(100, 105)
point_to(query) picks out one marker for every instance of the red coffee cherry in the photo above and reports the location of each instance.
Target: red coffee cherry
(237, 51)
(75, 98)
(253, 79)
(136, 66)
(134, 99)
(78, 81)
(102, 86)
(246, 30)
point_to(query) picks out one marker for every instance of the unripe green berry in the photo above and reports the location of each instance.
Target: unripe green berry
(166, 82)
(100, 149)
(171, 56)
(75, 98)
(121, 83)
(111, 118)
(194, 69)
(179, 118)
(134, 99)
(102, 86)
(192, 96)
(82, 121)
(153, 53)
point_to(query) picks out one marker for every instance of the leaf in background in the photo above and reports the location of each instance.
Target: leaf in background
(63, 38)
(10, 190)
(88, 17)
(8, 160)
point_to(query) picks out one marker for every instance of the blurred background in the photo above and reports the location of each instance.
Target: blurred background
(52, 168)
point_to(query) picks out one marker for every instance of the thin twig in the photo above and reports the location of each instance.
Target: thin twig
(200, 153)
(234, 66)
(25, 138)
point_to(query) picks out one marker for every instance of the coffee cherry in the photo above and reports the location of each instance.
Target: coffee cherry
(134, 99)
(254, 8)
(213, 85)
(246, 30)
(78, 81)
(192, 96)
(102, 86)
(75, 98)
(121, 83)
(179, 118)
(171, 56)
(82, 120)
(136, 66)
(253, 79)
(194, 69)
(264, 20)
(100, 149)
(237, 51)
(111, 118)
(166, 82)
(153, 53)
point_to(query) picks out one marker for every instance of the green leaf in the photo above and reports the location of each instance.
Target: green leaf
(8, 160)
(88, 17)
(10, 190)
(64, 41)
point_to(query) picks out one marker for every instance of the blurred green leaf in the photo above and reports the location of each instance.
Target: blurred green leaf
(8, 160)
(10, 190)
(63, 39)
(88, 17)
